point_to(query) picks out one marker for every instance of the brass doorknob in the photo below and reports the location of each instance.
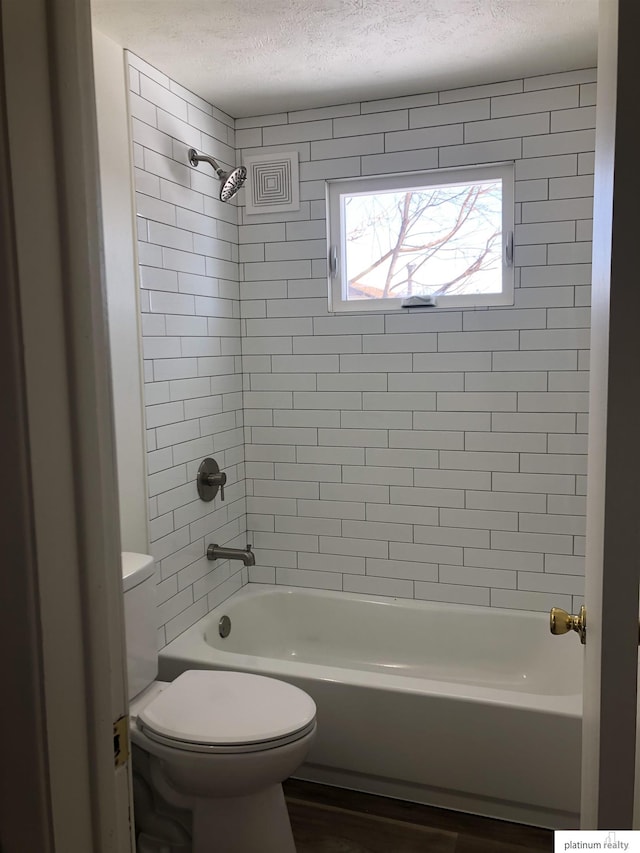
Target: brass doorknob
(561, 622)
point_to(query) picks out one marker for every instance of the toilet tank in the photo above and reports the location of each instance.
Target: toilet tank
(139, 588)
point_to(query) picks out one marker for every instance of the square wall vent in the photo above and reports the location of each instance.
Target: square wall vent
(272, 183)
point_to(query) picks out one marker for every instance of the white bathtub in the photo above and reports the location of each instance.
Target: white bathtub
(462, 707)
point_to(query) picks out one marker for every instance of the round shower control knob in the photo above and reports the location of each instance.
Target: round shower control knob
(210, 478)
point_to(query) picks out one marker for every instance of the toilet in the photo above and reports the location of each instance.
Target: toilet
(215, 744)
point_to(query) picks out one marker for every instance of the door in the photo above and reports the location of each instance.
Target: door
(613, 508)
(62, 620)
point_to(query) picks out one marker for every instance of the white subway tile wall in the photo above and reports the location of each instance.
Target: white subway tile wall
(190, 302)
(437, 455)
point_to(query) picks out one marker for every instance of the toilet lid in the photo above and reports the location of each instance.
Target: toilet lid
(218, 708)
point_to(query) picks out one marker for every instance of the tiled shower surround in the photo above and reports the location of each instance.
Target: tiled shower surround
(437, 454)
(433, 454)
(188, 246)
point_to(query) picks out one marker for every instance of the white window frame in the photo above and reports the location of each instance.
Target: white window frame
(336, 190)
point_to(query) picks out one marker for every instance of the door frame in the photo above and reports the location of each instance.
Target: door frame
(613, 540)
(64, 614)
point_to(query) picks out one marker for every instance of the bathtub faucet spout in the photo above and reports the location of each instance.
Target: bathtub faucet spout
(219, 552)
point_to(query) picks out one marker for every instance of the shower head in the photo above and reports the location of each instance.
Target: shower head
(231, 181)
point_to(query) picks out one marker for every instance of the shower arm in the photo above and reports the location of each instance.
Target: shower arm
(195, 158)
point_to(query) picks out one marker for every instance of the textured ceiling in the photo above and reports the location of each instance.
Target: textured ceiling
(253, 57)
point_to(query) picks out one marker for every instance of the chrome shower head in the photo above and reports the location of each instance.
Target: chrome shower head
(231, 181)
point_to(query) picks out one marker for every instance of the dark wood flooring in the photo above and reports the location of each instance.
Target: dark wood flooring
(335, 820)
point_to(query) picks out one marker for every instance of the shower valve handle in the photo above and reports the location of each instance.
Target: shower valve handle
(210, 478)
(216, 480)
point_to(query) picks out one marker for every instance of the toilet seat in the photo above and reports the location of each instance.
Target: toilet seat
(227, 712)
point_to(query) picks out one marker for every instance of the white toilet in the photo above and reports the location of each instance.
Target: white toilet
(218, 743)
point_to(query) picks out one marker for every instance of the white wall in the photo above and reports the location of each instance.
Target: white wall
(190, 307)
(440, 454)
(118, 224)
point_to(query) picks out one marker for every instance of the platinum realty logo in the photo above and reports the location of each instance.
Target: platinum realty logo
(625, 840)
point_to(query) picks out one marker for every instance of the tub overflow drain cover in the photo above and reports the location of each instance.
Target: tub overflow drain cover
(224, 626)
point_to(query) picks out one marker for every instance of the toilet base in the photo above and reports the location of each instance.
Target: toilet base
(255, 823)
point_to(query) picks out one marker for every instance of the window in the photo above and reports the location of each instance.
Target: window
(443, 234)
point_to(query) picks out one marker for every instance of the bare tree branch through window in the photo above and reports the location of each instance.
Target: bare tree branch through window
(437, 240)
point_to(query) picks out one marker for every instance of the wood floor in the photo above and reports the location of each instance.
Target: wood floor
(334, 820)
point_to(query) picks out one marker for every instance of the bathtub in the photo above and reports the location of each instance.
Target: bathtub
(461, 707)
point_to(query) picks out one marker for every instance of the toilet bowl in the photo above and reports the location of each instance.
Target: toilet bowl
(219, 744)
